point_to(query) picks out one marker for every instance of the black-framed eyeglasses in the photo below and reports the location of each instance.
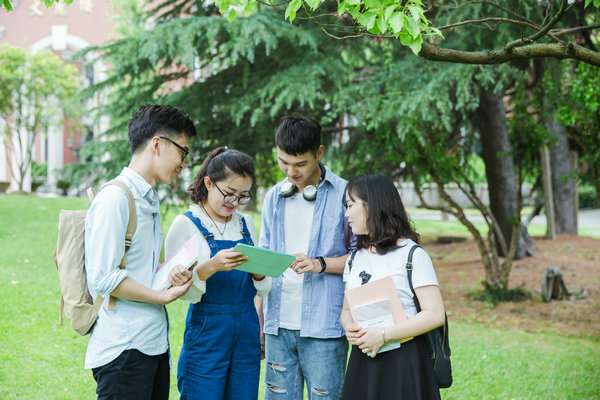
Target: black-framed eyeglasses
(184, 151)
(230, 198)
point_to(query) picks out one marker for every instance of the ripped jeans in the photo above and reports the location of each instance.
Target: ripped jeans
(290, 360)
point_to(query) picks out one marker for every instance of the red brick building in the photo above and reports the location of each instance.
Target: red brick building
(62, 29)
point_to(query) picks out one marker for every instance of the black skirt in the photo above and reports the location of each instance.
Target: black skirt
(404, 373)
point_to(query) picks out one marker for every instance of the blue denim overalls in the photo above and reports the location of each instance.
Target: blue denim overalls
(220, 357)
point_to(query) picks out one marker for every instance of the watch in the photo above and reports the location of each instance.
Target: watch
(323, 264)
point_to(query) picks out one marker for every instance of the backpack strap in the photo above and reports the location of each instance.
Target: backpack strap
(131, 227)
(409, 269)
(352, 259)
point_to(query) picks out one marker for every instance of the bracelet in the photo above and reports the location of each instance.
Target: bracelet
(383, 334)
(323, 265)
(258, 279)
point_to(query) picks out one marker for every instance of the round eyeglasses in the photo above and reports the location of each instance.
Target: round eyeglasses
(230, 198)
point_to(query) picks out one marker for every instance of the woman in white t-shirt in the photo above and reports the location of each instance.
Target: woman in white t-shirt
(383, 239)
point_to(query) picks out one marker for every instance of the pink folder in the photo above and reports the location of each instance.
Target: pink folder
(373, 292)
(186, 255)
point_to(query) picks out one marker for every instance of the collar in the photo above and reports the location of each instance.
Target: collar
(138, 182)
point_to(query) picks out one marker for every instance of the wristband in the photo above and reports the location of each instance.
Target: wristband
(323, 265)
(258, 279)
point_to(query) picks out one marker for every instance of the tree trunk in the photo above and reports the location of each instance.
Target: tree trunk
(499, 167)
(563, 184)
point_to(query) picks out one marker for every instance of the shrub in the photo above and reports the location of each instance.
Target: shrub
(587, 196)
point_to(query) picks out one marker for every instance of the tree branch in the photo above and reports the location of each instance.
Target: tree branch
(495, 19)
(506, 10)
(557, 50)
(560, 32)
(564, 7)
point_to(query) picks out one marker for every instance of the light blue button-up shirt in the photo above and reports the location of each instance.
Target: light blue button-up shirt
(322, 294)
(133, 325)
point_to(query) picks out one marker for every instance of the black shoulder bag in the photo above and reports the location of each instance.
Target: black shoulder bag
(437, 339)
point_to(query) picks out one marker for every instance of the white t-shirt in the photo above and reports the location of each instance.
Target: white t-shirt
(368, 267)
(183, 228)
(298, 217)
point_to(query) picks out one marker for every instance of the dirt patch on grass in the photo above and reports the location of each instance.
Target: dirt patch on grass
(460, 272)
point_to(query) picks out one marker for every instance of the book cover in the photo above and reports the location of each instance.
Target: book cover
(378, 314)
(371, 294)
(263, 261)
(186, 255)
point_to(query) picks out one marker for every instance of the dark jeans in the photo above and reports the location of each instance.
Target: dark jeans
(134, 375)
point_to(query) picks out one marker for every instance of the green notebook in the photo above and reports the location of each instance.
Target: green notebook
(264, 262)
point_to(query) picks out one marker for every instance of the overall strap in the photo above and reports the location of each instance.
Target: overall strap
(409, 269)
(245, 232)
(210, 238)
(352, 259)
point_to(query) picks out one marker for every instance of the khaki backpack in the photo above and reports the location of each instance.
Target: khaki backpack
(69, 257)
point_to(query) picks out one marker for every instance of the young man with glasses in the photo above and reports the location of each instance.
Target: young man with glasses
(128, 350)
(220, 358)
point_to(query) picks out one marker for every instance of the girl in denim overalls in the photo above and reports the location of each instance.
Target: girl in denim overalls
(220, 358)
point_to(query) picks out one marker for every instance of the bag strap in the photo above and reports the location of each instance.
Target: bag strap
(409, 270)
(352, 259)
(444, 328)
(131, 227)
(132, 224)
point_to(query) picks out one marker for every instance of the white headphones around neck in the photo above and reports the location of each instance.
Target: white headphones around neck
(309, 193)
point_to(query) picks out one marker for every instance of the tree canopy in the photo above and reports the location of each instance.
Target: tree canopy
(236, 81)
(35, 93)
(425, 26)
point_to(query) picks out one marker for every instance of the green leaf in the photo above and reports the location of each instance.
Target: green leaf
(223, 5)
(231, 14)
(416, 44)
(381, 24)
(342, 7)
(313, 4)
(413, 27)
(587, 3)
(372, 4)
(389, 11)
(354, 12)
(405, 38)
(416, 12)
(397, 22)
(367, 19)
(7, 5)
(597, 3)
(437, 31)
(292, 8)
(248, 8)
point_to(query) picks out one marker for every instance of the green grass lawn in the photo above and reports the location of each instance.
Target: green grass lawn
(39, 359)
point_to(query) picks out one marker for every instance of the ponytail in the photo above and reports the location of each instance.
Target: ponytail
(218, 165)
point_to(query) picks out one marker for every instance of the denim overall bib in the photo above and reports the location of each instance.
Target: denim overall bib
(220, 357)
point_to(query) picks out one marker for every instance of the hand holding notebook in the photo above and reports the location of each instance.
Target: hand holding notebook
(186, 256)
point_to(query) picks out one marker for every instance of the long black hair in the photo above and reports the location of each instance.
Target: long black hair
(386, 220)
(219, 165)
